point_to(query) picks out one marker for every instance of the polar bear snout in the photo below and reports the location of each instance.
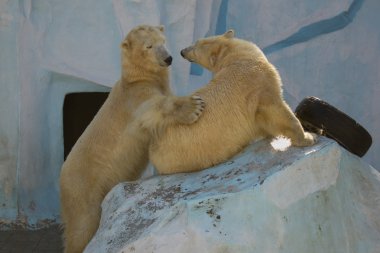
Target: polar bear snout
(163, 56)
(185, 53)
(168, 60)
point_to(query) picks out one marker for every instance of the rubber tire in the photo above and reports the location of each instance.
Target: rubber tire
(322, 118)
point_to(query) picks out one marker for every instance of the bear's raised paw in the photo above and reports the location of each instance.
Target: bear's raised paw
(189, 109)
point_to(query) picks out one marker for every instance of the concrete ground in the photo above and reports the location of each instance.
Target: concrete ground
(37, 241)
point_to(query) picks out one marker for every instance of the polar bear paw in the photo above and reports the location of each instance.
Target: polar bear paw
(315, 137)
(189, 109)
(310, 139)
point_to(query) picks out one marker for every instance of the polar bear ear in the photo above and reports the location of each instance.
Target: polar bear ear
(212, 60)
(161, 28)
(125, 44)
(229, 34)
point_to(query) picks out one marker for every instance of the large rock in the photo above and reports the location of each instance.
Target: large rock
(314, 199)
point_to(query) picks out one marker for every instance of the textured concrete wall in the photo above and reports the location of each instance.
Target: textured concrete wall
(329, 49)
(9, 111)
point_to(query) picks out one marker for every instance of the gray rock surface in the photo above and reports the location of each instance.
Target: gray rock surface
(314, 199)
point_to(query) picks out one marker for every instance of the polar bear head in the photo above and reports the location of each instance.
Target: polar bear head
(206, 51)
(216, 51)
(144, 46)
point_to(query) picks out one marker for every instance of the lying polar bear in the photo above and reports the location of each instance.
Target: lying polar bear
(244, 102)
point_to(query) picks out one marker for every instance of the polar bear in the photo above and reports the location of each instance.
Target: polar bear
(244, 102)
(114, 147)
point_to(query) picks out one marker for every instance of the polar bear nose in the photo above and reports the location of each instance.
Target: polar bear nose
(169, 60)
(183, 53)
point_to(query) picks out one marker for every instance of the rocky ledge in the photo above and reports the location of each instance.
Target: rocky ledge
(314, 199)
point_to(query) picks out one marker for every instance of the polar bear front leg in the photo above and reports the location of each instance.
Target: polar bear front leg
(282, 121)
(161, 111)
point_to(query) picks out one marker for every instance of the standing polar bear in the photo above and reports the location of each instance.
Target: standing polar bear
(115, 145)
(244, 102)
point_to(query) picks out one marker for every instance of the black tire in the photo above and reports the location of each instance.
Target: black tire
(322, 118)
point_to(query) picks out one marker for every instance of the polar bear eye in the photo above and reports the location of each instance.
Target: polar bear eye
(149, 47)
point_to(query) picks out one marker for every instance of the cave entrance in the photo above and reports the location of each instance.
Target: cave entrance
(78, 111)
